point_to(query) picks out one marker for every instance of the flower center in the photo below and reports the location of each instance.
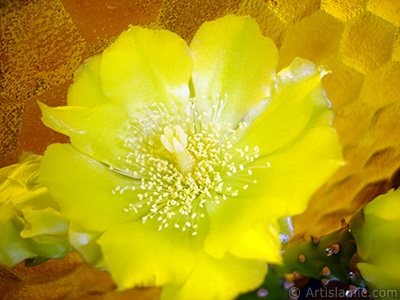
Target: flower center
(180, 163)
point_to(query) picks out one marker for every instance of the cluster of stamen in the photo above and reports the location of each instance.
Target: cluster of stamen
(180, 162)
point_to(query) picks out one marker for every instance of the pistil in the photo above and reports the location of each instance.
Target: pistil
(176, 142)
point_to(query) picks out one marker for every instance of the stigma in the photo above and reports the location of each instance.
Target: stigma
(180, 163)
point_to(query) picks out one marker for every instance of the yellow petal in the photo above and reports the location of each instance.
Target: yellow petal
(37, 198)
(382, 283)
(281, 190)
(303, 165)
(296, 99)
(83, 188)
(98, 132)
(13, 248)
(9, 187)
(232, 61)
(85, 243)
(15, 178)
(381, 207)
(28, 165)
(86, 90)
(303, 157)
(143, 67)
(47, 221)
(376, 231)
(139, 254)
(218, 278)
(261, 242)
(30, 223)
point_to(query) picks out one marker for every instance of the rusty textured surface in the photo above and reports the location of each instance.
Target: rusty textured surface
(69, 279)
(44, 42)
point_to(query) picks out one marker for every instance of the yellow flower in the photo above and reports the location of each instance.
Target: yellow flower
(376, 232)
(184, 158)
(31, 225)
